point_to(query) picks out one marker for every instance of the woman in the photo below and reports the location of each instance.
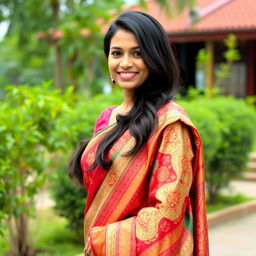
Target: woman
(143, 168)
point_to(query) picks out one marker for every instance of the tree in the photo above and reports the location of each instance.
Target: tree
(23, 58)
(28, 130)
(65, 18)
(77, 59)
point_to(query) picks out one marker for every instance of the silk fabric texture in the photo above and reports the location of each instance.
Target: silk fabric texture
(152, 203)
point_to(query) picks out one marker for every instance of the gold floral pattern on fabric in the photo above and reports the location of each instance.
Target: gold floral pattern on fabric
(165, 226)
(172, 195)
(163, 173)
(164, 168)
(147, 224)
(172, 201)
(167, 243)
(172, 135)
(112, 178)
(90, 158)
(173, 172)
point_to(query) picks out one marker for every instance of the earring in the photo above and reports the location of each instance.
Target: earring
(113, 81)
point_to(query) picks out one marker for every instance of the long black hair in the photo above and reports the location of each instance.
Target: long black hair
(159, 88)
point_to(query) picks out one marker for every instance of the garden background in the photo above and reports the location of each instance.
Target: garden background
(53, 85)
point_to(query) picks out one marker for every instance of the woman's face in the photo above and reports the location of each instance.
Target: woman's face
(126, 65)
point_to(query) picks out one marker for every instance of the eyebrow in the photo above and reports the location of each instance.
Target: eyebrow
(119, 48)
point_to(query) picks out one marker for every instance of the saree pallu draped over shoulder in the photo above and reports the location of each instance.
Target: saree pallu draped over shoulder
(152, 203)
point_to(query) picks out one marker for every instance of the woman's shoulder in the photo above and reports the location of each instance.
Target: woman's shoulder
(173, 111)
(103, 119)
(105, 114)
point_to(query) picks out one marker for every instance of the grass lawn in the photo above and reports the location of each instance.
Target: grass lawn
(225, 201)
(51, 235)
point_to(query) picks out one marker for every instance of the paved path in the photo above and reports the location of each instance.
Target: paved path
(236, 237)
(43, 200)
(247, 188)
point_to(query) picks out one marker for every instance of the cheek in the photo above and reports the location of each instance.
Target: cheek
(144, 68)
(146, 73)
(111, 65)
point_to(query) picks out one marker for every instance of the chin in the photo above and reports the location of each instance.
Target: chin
(129, 87)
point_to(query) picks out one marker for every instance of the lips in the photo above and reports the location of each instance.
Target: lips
(127, 75)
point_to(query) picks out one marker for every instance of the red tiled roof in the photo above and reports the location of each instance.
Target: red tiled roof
(216, 18)
(215, 15)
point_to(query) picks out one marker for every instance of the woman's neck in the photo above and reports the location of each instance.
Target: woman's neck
(127, 104)
(122, 109)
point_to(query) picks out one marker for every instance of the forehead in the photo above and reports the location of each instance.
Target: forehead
(124, 38)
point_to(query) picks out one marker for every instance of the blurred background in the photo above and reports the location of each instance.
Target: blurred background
(54, 82)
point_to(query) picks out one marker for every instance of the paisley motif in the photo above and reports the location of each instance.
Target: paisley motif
(147, 224)
(172, 199)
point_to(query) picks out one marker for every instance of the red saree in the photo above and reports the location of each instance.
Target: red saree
(152, 203)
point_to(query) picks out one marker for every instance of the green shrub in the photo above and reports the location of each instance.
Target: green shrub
(226, 126)
(238, 123)
(208, 126)
(70, 201)
(28, 117)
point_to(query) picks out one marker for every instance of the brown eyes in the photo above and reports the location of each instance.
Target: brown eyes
(119, 53)
(137, 53)
(116, 53)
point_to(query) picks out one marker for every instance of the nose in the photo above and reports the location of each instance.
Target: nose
(126, 62)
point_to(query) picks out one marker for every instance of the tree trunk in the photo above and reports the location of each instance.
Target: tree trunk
(19, 235)
(58, 74)
(213, 195)
(71, 77)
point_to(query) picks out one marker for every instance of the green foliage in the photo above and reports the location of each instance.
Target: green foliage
(208, 126)
(27, 126)
(251, 100)
(227, 128)
(230, 55)
(72, 26)
(237, 134)
(83, 27)
(70, 201)
(19, 66)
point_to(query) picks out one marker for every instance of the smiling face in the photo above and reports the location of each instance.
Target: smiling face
(126, 65)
